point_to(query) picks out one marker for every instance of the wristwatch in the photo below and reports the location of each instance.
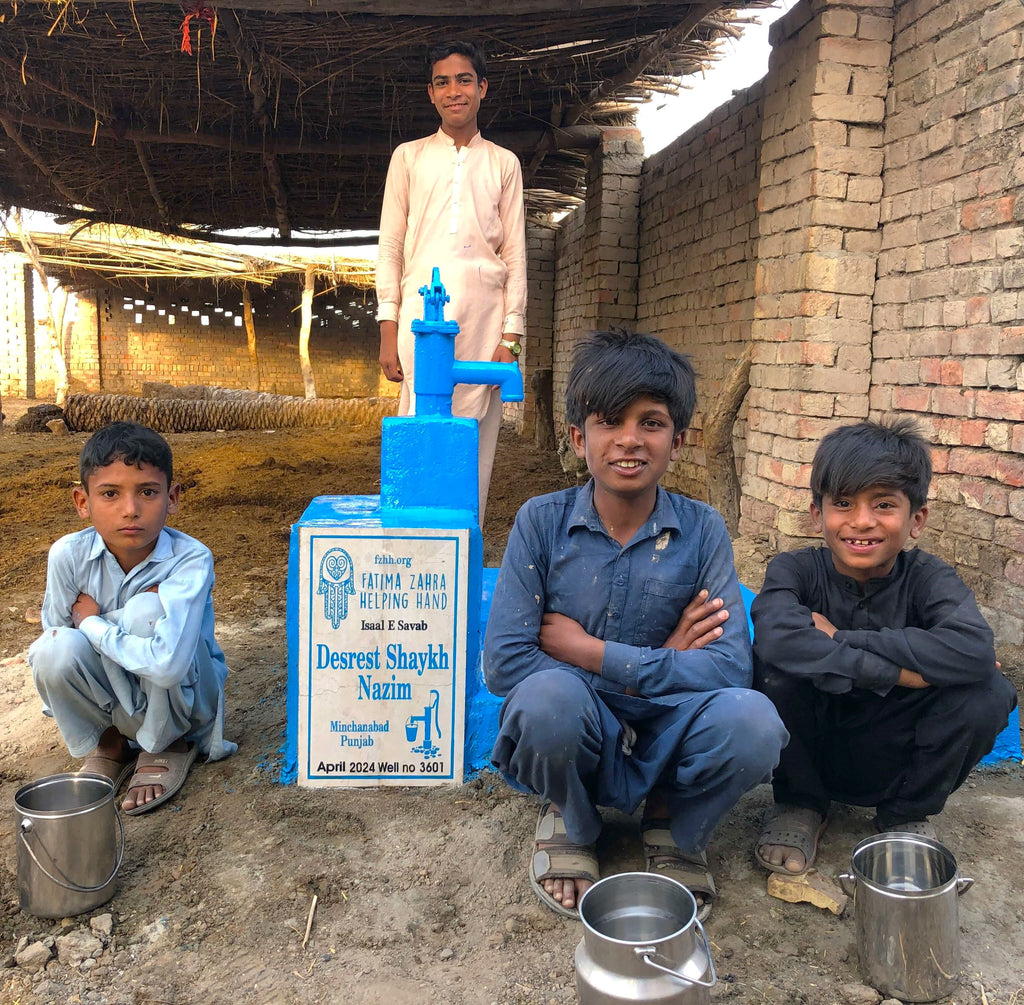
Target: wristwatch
(513, 347)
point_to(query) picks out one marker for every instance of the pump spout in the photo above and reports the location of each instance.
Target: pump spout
(506, 375)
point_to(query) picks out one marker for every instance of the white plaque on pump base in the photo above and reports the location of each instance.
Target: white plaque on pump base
(381, 648)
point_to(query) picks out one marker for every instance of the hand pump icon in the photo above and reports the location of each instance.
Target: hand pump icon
(427, 748)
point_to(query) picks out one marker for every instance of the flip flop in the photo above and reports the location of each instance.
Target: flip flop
(791, 827)
(559, 858)
(663, 856)
(109, 767)
(177, 765)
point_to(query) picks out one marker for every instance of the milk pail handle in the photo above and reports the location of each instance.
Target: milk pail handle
(646, 952)
(963, 884)
(848, 877)
(26, 829)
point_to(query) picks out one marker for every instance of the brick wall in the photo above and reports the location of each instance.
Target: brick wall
(698, 239)
(200, 339)
(949, 300)
(26, 333)
(596, 254)
(569, 312)
(821, 164)
(13, 362)
(537, 345)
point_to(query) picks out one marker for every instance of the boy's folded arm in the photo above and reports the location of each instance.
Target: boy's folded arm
(724, 662)
(165, 658)
(954, 645)
(61, 589)
(786, 637)
(512, 643)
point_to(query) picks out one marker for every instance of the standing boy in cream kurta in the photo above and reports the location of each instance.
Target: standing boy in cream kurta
(455, 200)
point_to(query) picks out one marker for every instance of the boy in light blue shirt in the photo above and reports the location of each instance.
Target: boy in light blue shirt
(128, 658)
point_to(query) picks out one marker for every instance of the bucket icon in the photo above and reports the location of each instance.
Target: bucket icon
(906, 898)
(68, 852)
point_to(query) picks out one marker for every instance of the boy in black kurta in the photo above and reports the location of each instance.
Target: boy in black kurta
(877, 659)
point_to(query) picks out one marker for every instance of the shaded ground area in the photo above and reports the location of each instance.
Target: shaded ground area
(421, 893)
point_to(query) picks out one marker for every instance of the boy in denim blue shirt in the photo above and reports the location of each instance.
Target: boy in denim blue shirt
(618, 638)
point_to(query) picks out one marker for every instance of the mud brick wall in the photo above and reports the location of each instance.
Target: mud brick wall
(821, 185)
(26, 336)
(537, 344)
(15, 363)
(205, 343)
(949, 300)
(596, 264)
(698, 242)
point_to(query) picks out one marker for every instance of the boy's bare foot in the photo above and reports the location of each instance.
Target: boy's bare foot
(789, 841)
(113, 758)
(113, 745)
(560, 872)
(139, 795)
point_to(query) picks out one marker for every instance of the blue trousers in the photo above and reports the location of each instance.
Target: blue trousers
(560, 738)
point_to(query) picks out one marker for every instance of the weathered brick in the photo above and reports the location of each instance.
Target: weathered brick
(984, 495)
(848, 107)
(987, 213)
(856, 52)
(953, 401)
(871, 26)
(1005, 405)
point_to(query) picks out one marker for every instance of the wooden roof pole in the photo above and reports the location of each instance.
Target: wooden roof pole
(154, 191)
(391, 8)
(48, 173)
(578, 137)
(254, 80)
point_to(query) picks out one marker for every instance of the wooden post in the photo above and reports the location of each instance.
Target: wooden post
(250, 334)
(56, 333)
(307, 323)
(723, 482)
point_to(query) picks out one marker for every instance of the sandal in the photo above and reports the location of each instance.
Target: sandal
(920, 828)
(795, 827)
(662, 855)
(177, 764)
(109, 767)
(556, 857)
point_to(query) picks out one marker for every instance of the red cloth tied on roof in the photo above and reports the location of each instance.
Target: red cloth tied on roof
(199, 12)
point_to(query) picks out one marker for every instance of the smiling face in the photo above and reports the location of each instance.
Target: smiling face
(865, 531)
(629, 454)
(456, 92)
(128, 505)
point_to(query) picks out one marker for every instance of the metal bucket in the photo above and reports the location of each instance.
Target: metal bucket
(906, 891)
(68, 852)
(642, 942)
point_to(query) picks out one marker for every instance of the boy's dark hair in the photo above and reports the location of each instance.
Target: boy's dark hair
(611, 369)
(457, 47)
(893, 454)
(130, 442)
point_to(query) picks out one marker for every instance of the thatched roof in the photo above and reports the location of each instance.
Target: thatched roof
(130, 258)
(285, 115)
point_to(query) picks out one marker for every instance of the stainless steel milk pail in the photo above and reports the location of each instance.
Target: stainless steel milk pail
(68, 852)
(906, 898)
(642, 942)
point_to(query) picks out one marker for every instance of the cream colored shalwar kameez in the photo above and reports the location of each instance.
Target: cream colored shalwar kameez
(462, 211)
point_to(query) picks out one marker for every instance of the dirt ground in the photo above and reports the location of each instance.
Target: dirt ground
(422, 894)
